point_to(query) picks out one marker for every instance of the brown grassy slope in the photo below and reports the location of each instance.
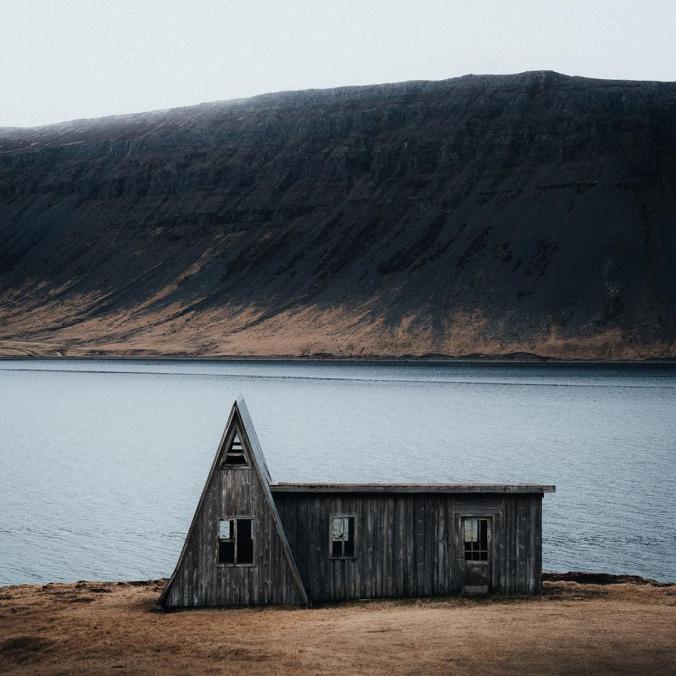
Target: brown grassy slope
(484, 214)
(302, 333)
(108, 627)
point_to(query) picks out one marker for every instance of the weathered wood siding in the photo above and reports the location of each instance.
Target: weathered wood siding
(201, 581)
(411, 545)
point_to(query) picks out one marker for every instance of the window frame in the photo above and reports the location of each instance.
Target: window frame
(233, 539)
(476, 553)
(343, 515)
(493, 518)
(246, 455)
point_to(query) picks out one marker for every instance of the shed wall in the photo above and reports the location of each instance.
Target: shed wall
(411, 545)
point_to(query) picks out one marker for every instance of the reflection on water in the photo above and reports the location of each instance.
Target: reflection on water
(102, 462)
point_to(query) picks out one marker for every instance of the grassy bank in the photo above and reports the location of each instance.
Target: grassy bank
(114, 627)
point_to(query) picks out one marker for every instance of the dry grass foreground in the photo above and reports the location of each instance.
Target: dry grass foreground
(112, 627)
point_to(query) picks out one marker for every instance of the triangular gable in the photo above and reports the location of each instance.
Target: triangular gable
(197, 580)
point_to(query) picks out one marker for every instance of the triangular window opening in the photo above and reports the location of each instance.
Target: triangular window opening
(235, 455)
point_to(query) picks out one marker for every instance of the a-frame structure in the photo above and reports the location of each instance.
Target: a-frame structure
(236, 552)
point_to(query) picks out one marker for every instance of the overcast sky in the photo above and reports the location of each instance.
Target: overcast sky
(66, 59)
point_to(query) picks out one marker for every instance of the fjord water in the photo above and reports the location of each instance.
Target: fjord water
(102, 462)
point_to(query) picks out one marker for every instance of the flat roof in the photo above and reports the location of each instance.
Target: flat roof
(279, 487)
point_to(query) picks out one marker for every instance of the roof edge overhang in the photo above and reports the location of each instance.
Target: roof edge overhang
(411, 488)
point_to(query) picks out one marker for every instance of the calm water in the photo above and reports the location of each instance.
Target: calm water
(102, 463)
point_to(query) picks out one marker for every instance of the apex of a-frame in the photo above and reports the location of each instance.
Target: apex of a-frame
(240, 415)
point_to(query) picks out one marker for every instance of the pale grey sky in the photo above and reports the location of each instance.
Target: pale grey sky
(65, 59)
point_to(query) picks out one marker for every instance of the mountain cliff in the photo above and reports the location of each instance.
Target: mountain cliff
(477, 215)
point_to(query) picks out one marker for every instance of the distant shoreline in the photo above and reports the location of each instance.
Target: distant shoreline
(521, 359)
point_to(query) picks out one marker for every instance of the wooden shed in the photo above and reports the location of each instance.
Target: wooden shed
(255, 542)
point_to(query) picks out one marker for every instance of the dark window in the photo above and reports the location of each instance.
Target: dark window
(476, 539)
(235, 455)
(226, 552)
(235, 541)
(244, 541)
(342, 537)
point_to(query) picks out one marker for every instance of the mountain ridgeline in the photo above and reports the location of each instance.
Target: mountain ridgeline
(482, 215)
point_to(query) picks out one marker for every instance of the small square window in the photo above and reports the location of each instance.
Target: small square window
(342, 537)
(475, 536)
(235, 541)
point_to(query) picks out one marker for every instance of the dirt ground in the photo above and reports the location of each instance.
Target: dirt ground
(114, 628)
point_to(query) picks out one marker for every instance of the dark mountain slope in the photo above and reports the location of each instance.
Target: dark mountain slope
(483, 214)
